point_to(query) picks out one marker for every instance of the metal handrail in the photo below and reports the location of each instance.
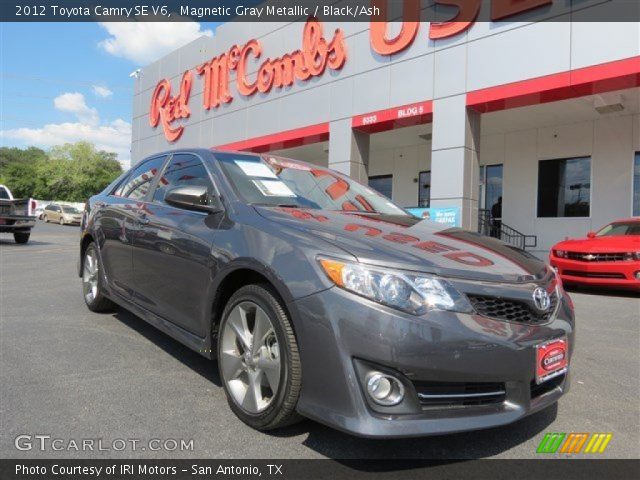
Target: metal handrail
(487, 225)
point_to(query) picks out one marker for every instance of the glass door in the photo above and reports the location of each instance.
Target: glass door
(491, 187)
(424, 189)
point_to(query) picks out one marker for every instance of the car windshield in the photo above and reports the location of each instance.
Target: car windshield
(275, 181)
(68, 209)
(620, 228)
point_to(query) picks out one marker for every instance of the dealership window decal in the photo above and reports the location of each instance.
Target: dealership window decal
(564, 187)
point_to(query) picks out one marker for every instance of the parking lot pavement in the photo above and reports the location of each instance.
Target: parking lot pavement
(73, 374)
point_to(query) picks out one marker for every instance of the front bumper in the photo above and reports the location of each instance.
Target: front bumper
(598, 274)
(337, 330)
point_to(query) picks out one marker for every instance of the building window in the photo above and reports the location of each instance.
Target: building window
(636, 185)
(424, 189)
(490, 185)
(382, 184)
(564, 187)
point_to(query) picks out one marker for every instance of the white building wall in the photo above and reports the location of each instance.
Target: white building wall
(486, 55)
(610, 142)
(404, 163)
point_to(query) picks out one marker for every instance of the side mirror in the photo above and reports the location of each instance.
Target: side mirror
(591, 234)
(192, 197)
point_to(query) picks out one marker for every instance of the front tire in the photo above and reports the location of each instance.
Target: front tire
(46, 219)
(92, 281)
(21, 237)
(258, 359)
(61, 221)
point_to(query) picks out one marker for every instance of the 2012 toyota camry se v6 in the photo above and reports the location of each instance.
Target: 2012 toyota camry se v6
(321, 298)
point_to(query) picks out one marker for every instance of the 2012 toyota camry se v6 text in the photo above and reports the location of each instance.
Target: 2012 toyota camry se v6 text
(321, 298)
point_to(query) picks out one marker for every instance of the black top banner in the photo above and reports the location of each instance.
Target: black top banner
(327, 10)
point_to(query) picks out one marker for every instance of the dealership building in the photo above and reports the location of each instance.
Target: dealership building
(543, 116)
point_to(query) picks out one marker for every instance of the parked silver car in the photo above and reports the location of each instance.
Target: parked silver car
(62, 214)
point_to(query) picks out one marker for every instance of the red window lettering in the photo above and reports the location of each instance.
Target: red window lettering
(434, 247)
(468, 258)
(370, 231)
(400, 238)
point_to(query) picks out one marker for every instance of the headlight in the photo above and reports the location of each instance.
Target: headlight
(561, 254)
(412, 293)
(632, 256)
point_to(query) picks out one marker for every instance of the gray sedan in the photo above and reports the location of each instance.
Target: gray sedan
(318, 297)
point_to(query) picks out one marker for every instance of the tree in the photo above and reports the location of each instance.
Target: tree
(70, 172)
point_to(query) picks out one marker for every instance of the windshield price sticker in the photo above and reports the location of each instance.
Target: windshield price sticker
(274, 188)
(255, 169)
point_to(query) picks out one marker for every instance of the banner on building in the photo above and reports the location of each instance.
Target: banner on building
(450, 216)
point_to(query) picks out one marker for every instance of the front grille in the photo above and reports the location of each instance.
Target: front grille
(544, 387)
(596, 257)
(459, 394)
(511, 310)
(577, 273)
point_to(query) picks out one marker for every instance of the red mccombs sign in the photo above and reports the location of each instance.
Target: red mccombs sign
(316, 55)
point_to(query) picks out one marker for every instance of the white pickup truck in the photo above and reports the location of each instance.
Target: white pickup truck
(17, 216)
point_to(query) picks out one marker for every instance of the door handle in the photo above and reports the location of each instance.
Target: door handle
(143, 219)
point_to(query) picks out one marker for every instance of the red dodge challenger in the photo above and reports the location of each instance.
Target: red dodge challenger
(608, 258)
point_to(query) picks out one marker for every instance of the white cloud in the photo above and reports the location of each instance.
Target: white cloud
(100, 91)
(114, 136)
(75, 103)
(145, 42)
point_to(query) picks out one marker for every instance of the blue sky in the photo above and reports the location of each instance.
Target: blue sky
(70, 81)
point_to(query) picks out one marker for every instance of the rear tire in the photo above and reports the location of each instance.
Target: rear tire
(248, 367)
(92, 281)
(21, 237)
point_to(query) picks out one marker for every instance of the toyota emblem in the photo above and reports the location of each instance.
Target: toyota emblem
(541, 299)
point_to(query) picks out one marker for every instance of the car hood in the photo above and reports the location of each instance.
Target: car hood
(408, 243)
(613, 244)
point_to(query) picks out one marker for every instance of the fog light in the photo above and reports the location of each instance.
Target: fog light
(384, 389)
(637, 275)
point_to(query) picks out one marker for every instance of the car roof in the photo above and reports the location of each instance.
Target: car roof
(214, 151)
(627, 220)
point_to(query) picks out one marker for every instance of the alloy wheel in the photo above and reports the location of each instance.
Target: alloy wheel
(90, 276)
(250, 358)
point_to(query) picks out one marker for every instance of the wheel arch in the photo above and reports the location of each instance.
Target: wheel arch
(84, 243)
(241, 274)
